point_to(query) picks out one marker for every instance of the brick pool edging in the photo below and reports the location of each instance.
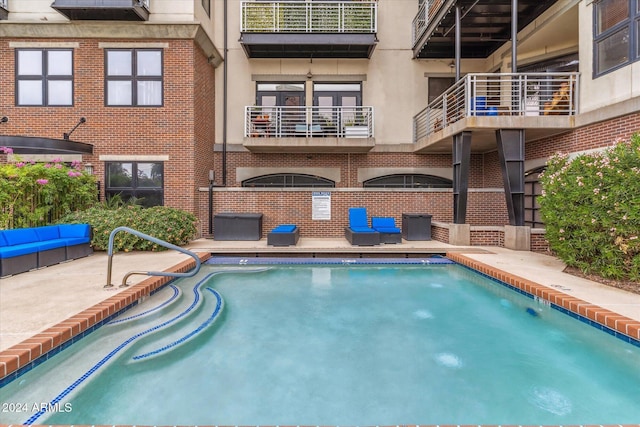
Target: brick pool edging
(606, 318)
(30, 350)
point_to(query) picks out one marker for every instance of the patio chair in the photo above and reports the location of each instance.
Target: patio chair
(358, 232)
(386, 226)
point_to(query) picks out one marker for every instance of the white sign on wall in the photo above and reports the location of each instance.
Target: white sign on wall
(321, 205)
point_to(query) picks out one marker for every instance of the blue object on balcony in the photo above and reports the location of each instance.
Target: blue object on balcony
(479, 105)
(492, 111)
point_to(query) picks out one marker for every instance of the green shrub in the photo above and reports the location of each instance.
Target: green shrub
(591, 209)
(33, 194)
(171, 225)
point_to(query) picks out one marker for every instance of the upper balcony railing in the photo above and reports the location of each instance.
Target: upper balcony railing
(305, 122)
(425, 14)
(504, 94)
(309, 17)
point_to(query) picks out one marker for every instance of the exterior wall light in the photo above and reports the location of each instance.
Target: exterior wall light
(66, 135)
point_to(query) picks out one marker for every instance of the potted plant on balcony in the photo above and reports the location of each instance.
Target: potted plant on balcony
(356, 128)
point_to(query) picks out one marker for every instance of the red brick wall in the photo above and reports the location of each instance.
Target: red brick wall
(597, 135)
(440, 234)
(539, 243)
(204, 114)
(487, 237)
(492, 177)
(295, 206)
(182, 129)
(349, 164)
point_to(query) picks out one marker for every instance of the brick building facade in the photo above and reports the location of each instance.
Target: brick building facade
(217, 75)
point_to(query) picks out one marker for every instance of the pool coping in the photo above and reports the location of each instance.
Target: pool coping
(610, 321)
(23, 356)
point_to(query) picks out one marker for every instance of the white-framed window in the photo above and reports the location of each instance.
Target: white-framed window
(616, 29)
(134, 77)
(44, 77)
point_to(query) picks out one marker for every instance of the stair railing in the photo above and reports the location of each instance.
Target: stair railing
(155, 240)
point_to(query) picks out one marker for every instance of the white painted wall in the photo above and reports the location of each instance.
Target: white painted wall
(161, 11)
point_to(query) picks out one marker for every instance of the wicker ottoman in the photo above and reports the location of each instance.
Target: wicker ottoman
(283, 235)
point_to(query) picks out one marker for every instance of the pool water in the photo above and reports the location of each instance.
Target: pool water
(337, 345)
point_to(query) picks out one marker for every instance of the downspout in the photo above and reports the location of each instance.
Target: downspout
(514, 36)
(224, 101)
(458, 42)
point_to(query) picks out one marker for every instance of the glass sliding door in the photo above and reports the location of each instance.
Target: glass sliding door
(337, 104)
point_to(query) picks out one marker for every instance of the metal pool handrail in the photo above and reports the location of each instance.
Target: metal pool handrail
(148, 273)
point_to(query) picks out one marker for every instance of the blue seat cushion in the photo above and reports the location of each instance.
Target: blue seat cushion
(49, 232)
(358, 218)
(3, 242)
(17, 250)
(74, 230)
(72, 241)
(284, 228)
(52, 244)
(378, 221)
(362, 229)
(19, 236)
(389, 230)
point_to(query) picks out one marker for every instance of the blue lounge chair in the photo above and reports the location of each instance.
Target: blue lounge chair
(386, 226)
(358, 232)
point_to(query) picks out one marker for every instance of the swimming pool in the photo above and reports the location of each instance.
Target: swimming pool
(327, 345)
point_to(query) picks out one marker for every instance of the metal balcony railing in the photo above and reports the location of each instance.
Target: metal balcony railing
(309, 17)
(493, 94)
(425, 14)
(306, 122)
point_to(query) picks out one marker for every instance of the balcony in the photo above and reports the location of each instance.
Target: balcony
(104, 10)
(309, 129)
(486, 25)
(4, 9)
(543, 104)
(303, 29)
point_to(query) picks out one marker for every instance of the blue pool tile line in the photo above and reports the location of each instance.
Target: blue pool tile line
(215, 260)
(604, 328)
(209, 321)
(176, 292)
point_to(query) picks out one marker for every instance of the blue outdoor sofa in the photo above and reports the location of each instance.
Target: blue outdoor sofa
(25, 249)
(358, 232)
